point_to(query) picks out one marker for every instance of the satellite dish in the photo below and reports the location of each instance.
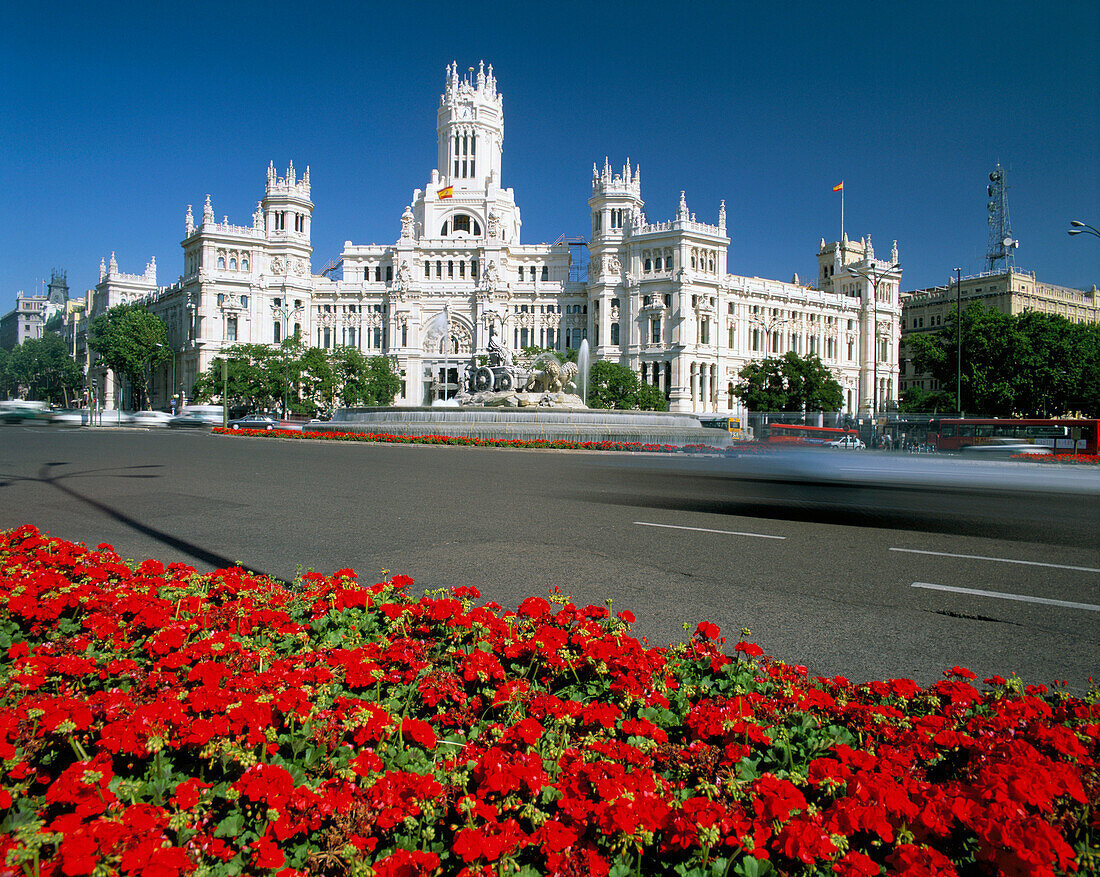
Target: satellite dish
(989, 191)
(995, 176)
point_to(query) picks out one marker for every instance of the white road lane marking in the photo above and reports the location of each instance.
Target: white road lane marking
(1023, 598)
(708, 530)
(998, 559)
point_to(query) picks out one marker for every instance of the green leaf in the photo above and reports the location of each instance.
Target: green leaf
(753, 867)
(230, 826)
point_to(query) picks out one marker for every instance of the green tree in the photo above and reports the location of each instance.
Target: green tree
(7, 387)
(1086, 397)
(129, 339)
(42, 369)
(382, 383)
(651, 397)
(788, 383)
(810, 385)
(918, 401)
(1031, 364)
(252, 381)
(612, 385)
(316, 384)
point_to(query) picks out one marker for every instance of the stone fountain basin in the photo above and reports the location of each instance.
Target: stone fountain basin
(548, 424)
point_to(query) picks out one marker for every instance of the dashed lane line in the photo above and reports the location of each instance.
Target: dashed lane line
(708, 530)
(1022, 598)
(999, 559)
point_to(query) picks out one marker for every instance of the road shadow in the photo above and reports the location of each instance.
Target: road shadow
(57, 481)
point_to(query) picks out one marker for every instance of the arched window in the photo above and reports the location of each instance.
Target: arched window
(647, 266)
(221, 262)
(656, 264)
(232, 264)
(462, 223)
(244, 264)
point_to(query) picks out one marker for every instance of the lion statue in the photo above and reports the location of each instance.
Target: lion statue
(551, 376)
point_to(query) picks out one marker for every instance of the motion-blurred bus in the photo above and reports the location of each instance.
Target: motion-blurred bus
(732, 425)
(798, 434)
(1061, 436)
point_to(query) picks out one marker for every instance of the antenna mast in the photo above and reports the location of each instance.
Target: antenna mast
(999, 253)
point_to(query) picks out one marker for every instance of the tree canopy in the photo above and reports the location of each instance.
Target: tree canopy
(1024, 365)
(788, 383)
(295, 379)
(129, 339)
(41, 368)
(613, 385)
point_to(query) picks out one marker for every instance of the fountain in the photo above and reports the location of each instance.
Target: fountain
(582, 371)
(543, 399)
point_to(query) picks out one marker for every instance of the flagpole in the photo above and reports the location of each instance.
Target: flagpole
(842, 211)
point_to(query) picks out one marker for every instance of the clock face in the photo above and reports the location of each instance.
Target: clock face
(465, 112)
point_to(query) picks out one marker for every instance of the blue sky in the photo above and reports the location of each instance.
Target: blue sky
(115, 116)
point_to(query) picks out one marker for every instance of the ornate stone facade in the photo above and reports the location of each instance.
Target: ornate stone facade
(656, 296)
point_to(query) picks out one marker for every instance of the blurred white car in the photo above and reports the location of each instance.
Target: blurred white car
(150, 418)
(84, 417)
(852, 442)
(71, 417)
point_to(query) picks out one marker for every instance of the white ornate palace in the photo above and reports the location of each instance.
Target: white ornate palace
(656, 295)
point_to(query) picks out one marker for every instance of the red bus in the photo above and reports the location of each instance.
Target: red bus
(1061, 436)
(796, 433)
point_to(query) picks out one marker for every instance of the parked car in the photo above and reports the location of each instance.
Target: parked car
(851, 442)
(150, 418)
(254, 421)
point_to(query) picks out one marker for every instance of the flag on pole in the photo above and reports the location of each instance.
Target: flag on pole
(839, 187)
(447, 193)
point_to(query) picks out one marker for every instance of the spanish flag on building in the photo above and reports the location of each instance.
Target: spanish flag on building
(446, 193)
(839, 187)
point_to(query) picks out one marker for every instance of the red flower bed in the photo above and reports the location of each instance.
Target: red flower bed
(158, 722)
(1058, 458)
(556, 444)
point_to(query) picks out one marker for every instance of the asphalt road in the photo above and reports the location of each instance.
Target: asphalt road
(846, 577)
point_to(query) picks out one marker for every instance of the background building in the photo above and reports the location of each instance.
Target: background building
(1011, 291)
(655, 296)
(28, 319)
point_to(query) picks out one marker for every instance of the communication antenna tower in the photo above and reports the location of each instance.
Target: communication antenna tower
(999, 254)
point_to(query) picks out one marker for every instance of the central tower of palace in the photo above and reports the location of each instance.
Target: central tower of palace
(465, 187)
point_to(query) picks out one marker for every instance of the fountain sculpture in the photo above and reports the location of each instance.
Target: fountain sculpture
(541, 399)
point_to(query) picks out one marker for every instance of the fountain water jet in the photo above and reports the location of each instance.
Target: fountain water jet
(582, 371)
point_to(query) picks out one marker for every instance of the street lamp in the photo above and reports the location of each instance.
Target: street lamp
(958, 342)
(875, 276)
(1079, 227)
